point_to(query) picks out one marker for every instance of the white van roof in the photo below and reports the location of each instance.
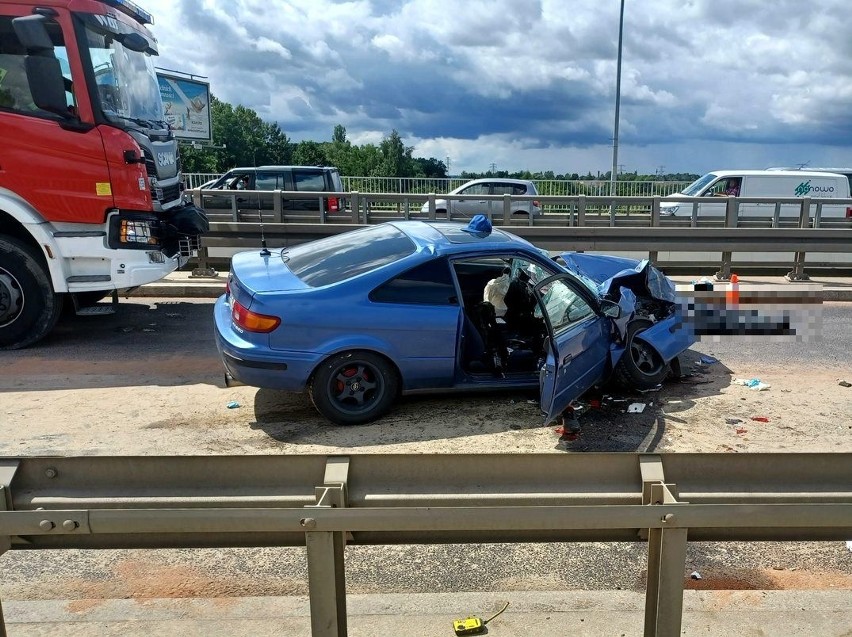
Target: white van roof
(779, 173)
(818, 169)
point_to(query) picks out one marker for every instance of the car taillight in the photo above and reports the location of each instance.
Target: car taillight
(849, 213)
(252, 321)
(333, 204)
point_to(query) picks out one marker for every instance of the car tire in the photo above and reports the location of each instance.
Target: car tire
(641, 366)
(29, 308)
(353, 388)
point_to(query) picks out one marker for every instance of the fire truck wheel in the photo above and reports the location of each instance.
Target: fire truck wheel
(29, 308)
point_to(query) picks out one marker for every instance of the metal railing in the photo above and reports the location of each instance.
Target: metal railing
(425, 185)
(788, 225)
(325, 502)
(195, 180)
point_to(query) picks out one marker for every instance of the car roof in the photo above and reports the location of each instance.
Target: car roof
(502, 180)
(447, 237)
(251, 168)
(772, 173)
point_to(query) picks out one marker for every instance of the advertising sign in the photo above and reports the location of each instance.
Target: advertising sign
(186, 104)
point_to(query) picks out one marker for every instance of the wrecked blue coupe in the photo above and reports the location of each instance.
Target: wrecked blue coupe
(358, 318)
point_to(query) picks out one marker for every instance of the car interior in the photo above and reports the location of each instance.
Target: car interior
(505, 343)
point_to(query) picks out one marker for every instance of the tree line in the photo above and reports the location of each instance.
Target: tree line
(242, 138)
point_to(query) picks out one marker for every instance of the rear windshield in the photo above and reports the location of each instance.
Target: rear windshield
(344, 256)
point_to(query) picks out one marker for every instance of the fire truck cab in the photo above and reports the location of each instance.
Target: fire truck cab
(91, 194)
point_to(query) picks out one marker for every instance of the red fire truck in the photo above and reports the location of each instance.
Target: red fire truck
(91, 195)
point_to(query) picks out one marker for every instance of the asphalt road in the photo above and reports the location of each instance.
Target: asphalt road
(146, 331)
(129, 349)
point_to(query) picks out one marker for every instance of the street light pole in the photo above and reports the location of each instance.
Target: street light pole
(617, 108)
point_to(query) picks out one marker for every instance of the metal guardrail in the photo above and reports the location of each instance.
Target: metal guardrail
(794, 225)
(425, 185)
(325, 502)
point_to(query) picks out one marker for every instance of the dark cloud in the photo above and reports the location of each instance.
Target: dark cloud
(530, 74)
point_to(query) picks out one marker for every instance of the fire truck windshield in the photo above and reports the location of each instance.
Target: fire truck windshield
(127, 86)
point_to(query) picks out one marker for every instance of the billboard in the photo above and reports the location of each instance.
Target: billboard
(186, 104)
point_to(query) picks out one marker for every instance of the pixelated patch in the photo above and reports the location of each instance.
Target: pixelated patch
(755, 313)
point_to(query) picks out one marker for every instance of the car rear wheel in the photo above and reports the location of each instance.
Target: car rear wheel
(641, 366)
(353, 388)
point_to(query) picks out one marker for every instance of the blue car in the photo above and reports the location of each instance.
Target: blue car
(408, 307)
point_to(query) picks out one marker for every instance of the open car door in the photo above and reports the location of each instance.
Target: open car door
(578, 342)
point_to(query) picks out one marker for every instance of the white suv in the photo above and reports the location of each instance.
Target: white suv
(488, 186)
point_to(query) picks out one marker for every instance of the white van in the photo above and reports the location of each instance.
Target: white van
(769, 184)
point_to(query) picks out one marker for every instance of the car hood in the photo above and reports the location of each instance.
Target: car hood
(610, 274)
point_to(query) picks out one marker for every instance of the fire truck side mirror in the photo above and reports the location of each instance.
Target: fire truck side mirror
(134, 42)
(44, 75)
(32, 33)
(47, 85)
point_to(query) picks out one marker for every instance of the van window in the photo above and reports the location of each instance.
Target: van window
(698, 185)
(267, 181)
(310, 181)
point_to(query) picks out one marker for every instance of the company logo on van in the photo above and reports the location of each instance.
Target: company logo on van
(805, 188)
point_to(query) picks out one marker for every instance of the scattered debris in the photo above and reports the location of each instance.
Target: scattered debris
(233, 404)
(844, 383)
(635, 408)
(742, 430)
(707, 360)
(754, 384)
(760, 418)
(695, 575)
(849, 544)
(646, 391)
(733, 421)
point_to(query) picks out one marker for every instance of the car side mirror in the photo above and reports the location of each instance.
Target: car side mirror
(610, 309)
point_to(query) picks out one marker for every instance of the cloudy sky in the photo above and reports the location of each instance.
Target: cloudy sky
(530, 84)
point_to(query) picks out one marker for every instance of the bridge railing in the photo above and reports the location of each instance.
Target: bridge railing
(787, 228)
(326, 502)
(425, 185)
